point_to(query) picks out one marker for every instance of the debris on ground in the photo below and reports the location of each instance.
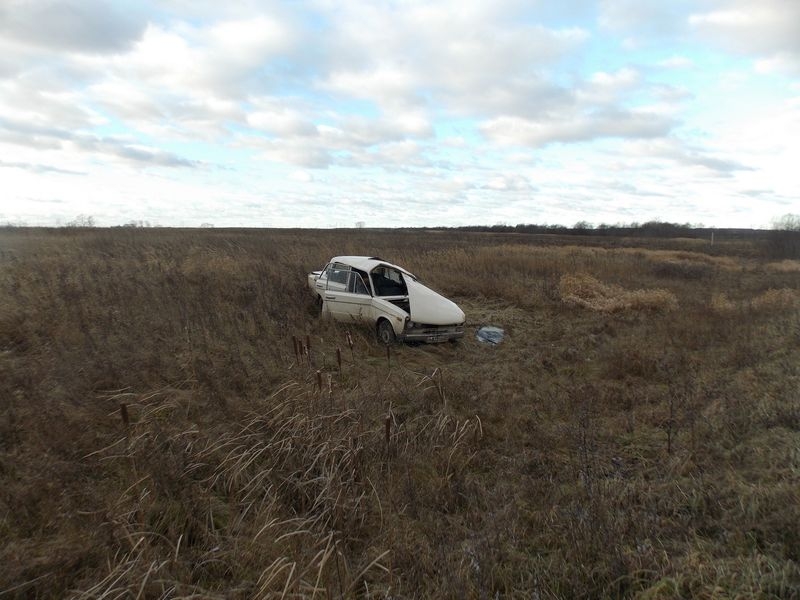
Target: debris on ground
(490, 335)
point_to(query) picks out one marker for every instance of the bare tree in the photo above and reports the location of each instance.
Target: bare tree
(788, 222)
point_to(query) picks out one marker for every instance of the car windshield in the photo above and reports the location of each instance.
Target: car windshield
(388, 282)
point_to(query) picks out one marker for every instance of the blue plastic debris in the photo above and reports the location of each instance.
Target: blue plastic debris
(490, 335)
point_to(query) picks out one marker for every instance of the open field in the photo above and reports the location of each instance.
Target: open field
(636, 435)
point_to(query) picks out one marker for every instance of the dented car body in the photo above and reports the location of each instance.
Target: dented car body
(367, 289)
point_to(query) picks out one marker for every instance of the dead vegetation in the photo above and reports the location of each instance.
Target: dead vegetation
(585, 291)
(177, 423)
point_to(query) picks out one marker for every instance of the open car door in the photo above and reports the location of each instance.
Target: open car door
(347, 297)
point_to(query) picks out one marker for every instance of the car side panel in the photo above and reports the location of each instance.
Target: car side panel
(352, 307)
(382, 308)
(336, 291)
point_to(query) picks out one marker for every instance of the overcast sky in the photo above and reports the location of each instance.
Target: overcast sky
(322, 113)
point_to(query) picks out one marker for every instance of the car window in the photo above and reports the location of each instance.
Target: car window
(356, 284)
(337, 277)
(325, 271)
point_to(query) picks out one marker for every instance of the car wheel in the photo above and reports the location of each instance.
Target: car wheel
(385, 332)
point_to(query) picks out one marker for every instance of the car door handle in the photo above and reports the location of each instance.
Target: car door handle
(327, 297)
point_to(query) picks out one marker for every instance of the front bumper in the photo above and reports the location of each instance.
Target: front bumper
(432, 334)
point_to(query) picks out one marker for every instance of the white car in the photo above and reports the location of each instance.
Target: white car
(370, 290)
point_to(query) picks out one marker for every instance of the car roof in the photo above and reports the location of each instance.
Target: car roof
(367, 263)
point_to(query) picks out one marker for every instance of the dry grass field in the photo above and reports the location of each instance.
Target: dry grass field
(636, 435)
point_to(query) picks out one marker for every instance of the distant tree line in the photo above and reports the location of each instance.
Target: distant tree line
(648, 229)
(782, 241)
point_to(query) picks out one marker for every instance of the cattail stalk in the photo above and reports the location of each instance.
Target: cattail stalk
(123, 412)
(388, 428)
(350, 343)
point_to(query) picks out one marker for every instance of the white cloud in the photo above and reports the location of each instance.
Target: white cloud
(577, 128)
(683, 154)
(471, 58)
(509, 182)
(250, 39)
(388, 85)
(646, 18)
(621, 79)
(780, 62)
(275, 117)
(604, 88)
(302, 176)
(31, 135)
(676, 62)
(296, 152)
(89, 26)
(766, 30)
(63, 108)
(38, 168)
(762, 27)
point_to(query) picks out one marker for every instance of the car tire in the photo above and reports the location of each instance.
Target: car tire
(385, 332)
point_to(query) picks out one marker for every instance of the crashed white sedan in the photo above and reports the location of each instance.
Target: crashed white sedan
(370, 290)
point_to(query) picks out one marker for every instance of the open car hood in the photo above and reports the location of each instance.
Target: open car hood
(431, 308)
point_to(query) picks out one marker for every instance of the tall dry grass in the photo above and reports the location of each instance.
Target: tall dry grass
(587, 292)
(162, 435)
